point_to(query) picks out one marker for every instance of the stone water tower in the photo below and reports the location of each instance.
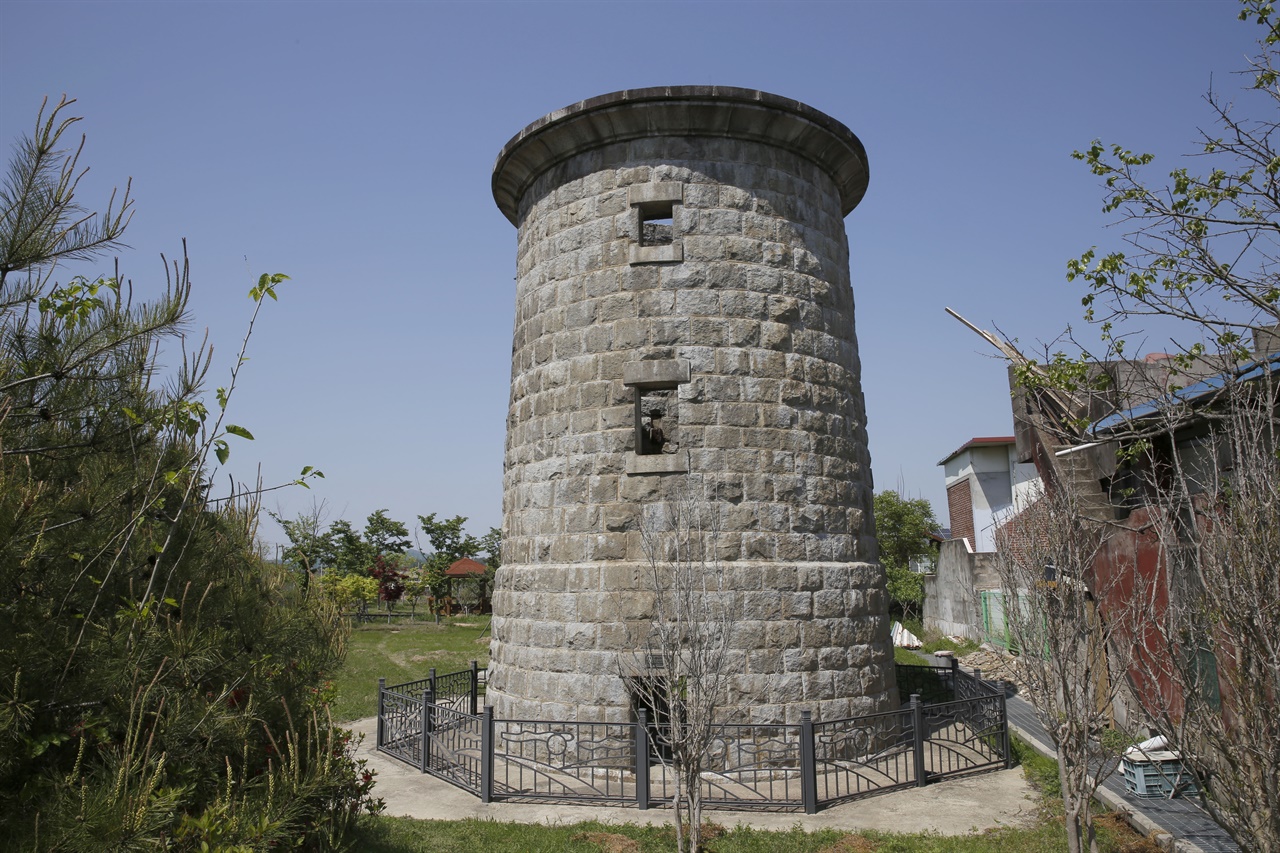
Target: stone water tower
(684, 315)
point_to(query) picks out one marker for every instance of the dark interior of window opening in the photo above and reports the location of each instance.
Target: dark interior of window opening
(655, 421)
(655, 225)
(648, 692)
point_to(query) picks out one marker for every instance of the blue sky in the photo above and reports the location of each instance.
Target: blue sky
(350, 146)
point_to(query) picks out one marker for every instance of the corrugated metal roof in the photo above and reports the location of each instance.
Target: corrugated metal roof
(1195, 394)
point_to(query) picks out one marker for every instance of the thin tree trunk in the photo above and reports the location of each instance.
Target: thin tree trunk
(1071, 806)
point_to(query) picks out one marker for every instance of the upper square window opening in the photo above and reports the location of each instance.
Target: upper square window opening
(656, 226)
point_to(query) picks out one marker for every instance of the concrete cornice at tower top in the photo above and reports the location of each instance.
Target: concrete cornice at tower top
(714, 111)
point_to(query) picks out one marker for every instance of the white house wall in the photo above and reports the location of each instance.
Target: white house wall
(988, 470)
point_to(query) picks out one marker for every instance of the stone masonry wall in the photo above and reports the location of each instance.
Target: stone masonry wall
(771, 419)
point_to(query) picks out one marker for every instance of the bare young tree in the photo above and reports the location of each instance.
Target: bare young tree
(681, 665)
(1209, 645)
(1183, 484)
(1194, 487)
(1072, 656)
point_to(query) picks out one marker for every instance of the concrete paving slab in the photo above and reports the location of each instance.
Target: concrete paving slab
(952, 807)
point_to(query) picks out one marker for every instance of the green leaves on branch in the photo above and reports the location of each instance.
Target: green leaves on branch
(308, 473)
(449, 540)
(220, 447)
(903, 526)
(1202, 244)
(1261, 14)
(186, 417)
(266, 286)
(1062, 371)
(906, 591)
(75, 303)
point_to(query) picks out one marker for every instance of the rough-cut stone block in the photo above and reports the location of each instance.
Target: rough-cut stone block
(670, 253)
(666, 373)
(640, 195)
(658, 463)
(797, 605)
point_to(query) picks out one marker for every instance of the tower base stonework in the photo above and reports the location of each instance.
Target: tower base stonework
(684, 321)
(807, 644)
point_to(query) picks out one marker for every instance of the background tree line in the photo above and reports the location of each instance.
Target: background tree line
(378, 563)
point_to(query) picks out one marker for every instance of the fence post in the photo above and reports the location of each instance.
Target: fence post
(486, 755)
(1004, 731)
(955, 677)
(382, 685)
(431, 683)
(427, 708)
(642, 759)
(917, 729)
(808, 765)
(475, 687)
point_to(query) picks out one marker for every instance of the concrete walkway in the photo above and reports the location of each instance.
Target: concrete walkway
(952, 807)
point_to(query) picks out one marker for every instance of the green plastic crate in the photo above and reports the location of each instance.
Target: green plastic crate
(1156, 777)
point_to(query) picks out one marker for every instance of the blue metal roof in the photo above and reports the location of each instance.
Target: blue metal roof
(1191, 395)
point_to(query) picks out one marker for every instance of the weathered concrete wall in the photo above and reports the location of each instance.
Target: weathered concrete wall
(951, 601)
(754, 299)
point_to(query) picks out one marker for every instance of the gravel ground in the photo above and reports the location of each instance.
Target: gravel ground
(995, 666)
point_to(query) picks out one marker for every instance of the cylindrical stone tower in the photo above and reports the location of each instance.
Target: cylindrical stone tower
(684, 315)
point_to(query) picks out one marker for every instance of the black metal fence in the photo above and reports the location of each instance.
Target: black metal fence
(432, 724)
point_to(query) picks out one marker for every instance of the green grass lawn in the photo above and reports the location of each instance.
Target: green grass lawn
(405, 835)
(404, 651)
(908, 657)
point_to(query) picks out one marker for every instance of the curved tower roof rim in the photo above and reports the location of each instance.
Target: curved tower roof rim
(508, 189)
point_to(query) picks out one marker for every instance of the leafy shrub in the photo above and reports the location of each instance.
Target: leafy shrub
(161, 683)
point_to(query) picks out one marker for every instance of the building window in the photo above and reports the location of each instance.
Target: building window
(654, 207)
(1202, 667)
(656, 445)
(656, 420)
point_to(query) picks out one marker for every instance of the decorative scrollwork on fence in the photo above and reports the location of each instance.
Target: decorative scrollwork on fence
(400, 727)
(454, 691)
(968, 687)
(542, 760)
(454, 747)
(412, 689)
(861, 755)
(964, 735)
(745, 766)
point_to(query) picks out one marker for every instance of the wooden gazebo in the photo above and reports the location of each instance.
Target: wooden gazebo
(467, 568)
